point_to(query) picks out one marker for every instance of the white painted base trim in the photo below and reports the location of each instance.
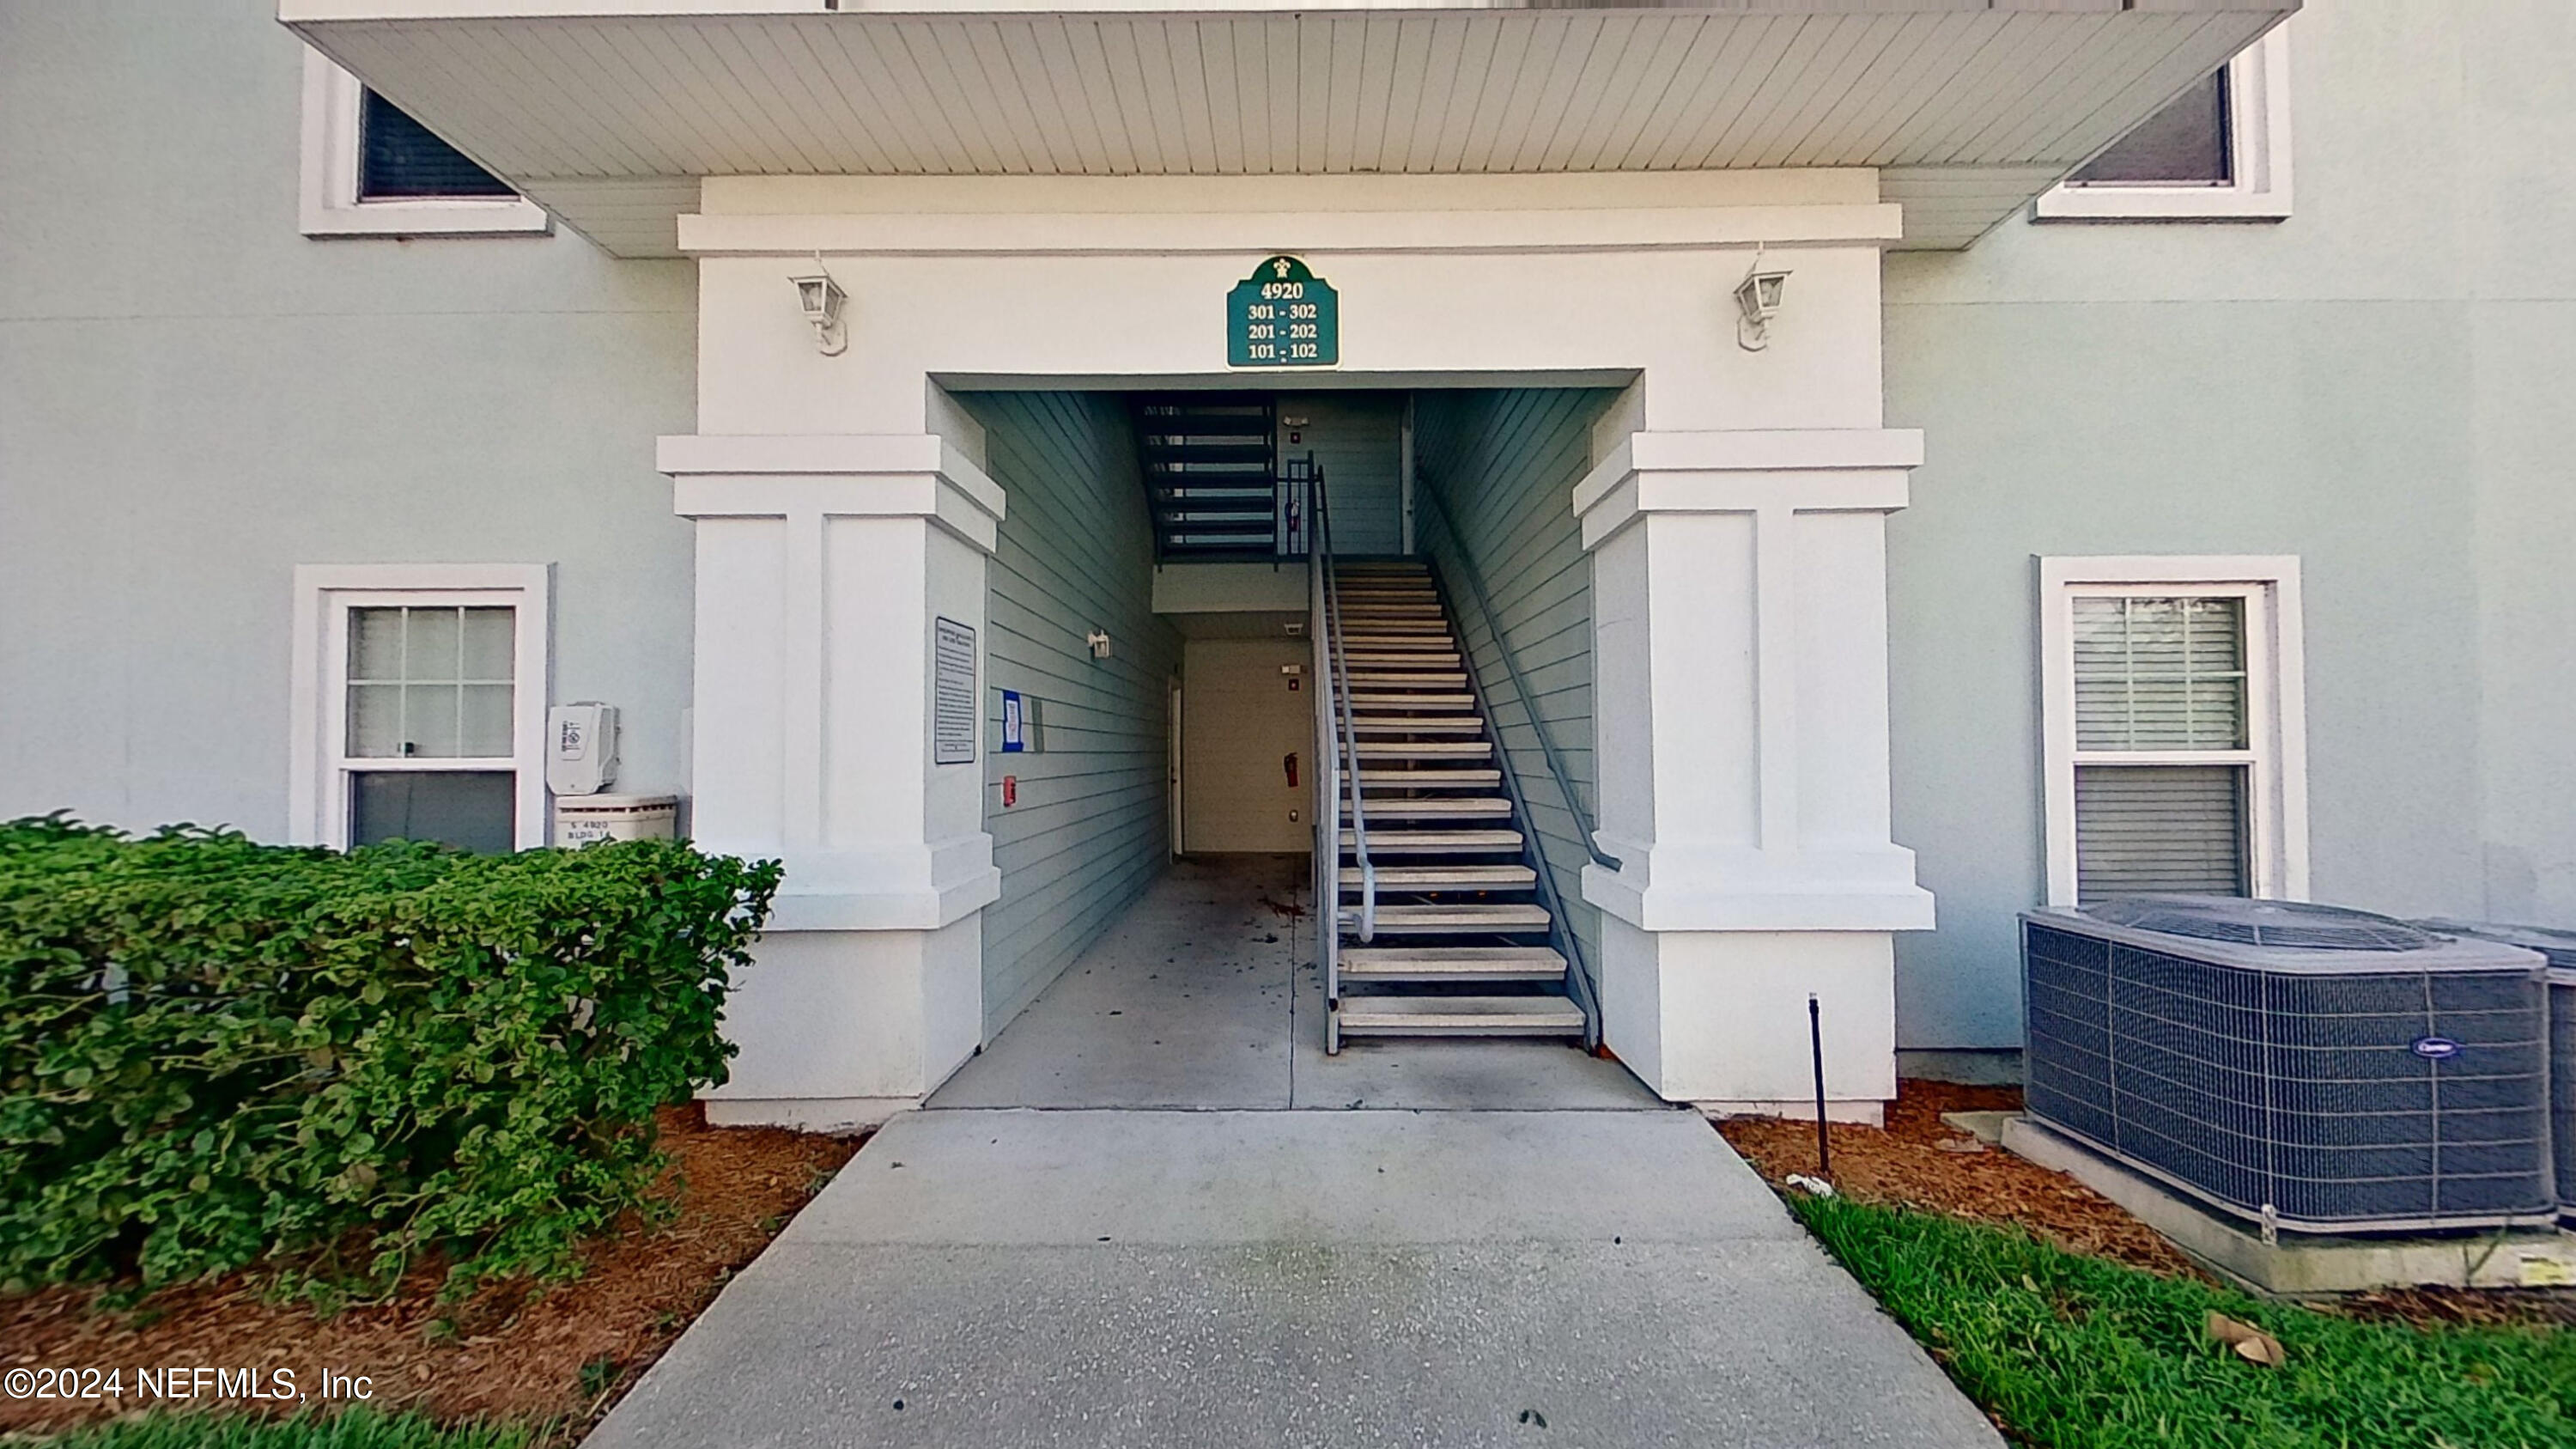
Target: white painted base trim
(828, 1016)
(1721, 1016)
(833, 1115)
(1865, 1112)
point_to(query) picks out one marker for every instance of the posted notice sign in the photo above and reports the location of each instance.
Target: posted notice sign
(1283, 316)
(952, 693)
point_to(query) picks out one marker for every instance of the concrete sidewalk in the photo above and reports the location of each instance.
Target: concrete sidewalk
(1154, 1213)
(987, 1279)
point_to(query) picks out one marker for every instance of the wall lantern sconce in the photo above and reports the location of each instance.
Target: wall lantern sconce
(1098, 639)
(1757, 297)
(821, 298)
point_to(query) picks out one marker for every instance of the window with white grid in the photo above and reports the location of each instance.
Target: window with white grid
(421, 704)
(2171, 712)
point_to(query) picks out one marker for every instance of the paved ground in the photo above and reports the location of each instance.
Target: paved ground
(1204, 996)
(1115, 1228)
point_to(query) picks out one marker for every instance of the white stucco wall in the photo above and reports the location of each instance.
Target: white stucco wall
(195, 398)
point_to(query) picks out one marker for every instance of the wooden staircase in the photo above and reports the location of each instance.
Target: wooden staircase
(1459, 941)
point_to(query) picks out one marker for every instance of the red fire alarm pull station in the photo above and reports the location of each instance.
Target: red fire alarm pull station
(1010, 791)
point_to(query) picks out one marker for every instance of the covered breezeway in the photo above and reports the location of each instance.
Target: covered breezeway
(1146, 726)
(1204, 995)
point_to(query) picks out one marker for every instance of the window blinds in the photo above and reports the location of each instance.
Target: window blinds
(2146, 828)
(400, 159)
(2160, 675)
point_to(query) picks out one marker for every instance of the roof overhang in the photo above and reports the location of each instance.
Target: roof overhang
(609, 112)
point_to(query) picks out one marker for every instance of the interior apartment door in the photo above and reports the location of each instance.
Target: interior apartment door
(1246, 754)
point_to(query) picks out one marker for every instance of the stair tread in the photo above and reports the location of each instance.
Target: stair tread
(1383, 842)
(1424, 750)
(1485, 955)
(1552, 1014)
(1415, 809)
(1409, 876)
(1362, 700)
(1398, 725)
(1430, 779)
(1464, 914)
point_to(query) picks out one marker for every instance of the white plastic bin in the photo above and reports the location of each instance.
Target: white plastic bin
(581, 819)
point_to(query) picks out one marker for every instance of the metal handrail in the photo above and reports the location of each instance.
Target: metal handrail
(1327, 856)
(1529, 701)
(1349, 743)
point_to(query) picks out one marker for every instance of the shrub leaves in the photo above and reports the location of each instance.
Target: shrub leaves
(215, 1053)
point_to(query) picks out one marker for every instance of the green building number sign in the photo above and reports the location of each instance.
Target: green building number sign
(1283, 316)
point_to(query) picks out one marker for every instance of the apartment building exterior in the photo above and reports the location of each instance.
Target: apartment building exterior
(1893, 463)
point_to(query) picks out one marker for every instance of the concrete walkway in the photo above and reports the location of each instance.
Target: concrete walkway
(1205, 996)
(1151, 1216)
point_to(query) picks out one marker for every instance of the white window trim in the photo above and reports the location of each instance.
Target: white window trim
(2258, 83)
(2276, 697)
(330, 205)
(318, 791)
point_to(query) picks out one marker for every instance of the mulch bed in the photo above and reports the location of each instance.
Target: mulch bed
(1919, 1161)
(560, 1354)
(1908, 1164)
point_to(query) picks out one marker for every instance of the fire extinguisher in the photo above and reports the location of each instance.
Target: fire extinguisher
(1290, 764)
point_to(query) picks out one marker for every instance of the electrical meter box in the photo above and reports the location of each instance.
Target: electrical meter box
(581, 748)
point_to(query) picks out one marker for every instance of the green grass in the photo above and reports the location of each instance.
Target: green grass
(2078, 1353)
(356, 1428)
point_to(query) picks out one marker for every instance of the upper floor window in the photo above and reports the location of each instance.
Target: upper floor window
(399, 159)
(2185, 144)
(372, 170)
(2218, 152)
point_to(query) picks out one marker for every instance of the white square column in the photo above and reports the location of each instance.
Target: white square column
(825, 565)
(1739, 605)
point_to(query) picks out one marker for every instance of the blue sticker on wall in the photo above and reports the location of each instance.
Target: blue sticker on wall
(1015, 723)
(2436, 1048)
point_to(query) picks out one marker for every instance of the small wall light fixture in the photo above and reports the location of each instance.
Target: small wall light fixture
(1098, 639)
(821, 298)
(1757, 298)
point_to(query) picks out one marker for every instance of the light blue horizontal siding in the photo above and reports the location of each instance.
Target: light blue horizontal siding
(1502, 465)
(1075, 553)
(1358, 440)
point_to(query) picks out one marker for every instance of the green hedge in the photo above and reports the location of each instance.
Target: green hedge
(216, 1054)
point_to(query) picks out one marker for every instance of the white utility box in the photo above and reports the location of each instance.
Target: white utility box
(581, 747)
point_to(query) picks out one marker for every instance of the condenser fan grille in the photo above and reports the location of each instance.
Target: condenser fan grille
(2284, 925)
(2318, 1069)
